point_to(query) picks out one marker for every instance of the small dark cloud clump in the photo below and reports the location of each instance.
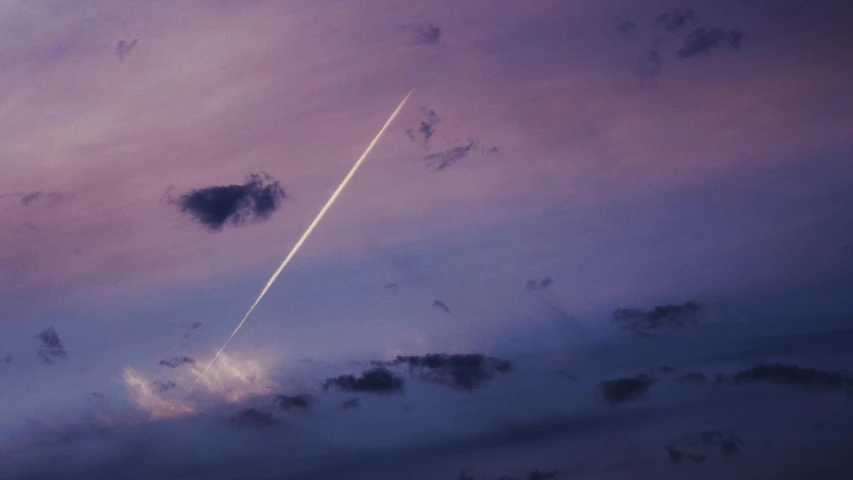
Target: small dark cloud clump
(426, 127)
(441, 306)
(164, 386)
(351, 404)
(697, 447)
(424, 34)
(98, 395)
(31, 198)
(621, 390)
(175, 362)
(675, 20)
(703, 40)
(626, 27)
(534, 285)
(793, 376)
(646, 322)
(392, 287)
(302, 401)
(215, 206)
(379, 380)
(459, 371)
(252, 418)
(51, 347)
(446, 158)
(124, 47)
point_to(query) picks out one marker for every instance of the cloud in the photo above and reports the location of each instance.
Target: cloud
(675, 20)
(458, 371)
(164, 386)
(534, 285)
(124, 47)
(424, 34)
(392, 287)
(98, 395)
(622, 390)
(215, 206)
(677, 457)
(644, 323)
(626, 27)
(351, 404)
(446, 158)
(252, 418)
(39, 196)
(693, 377)
(793, 376)
(175, 362)
(426, 127)
(378, 380)
(302, 401)
(697, 447)
(651, 65)
(441, 305)
(51, 346)
(702, 40)
(8, 359)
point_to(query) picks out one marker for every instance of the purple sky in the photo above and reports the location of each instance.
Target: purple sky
(605, 154)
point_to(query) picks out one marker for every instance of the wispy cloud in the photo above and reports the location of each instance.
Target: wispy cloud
(175, 362)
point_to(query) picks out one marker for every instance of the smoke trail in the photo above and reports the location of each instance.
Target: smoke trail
(302, 239)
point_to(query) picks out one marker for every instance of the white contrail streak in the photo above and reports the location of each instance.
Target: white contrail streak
(304, 236)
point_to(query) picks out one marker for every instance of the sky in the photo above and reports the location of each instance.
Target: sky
(561, 169)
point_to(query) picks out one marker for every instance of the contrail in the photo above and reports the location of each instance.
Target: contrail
(302, 239)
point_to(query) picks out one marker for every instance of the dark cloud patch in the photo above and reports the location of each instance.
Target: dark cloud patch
(424, 34)
(426, 127)
(302, 401)
(626, 27)
(196, 325)
(676, 20)
(215, 206)
(647, 322)
(124, 47)
(175, 362)
(8, 359)
(458, 371)
(693, 377)
(32, 198)
(446, 158)
(677, 457)
(98, 396)
(651, 65)
(163, 386)
(392, 287)
(534, 285)
(441, 306)
(697, 447)
(793, 376)
(379, 380)
(703, 40)
(51, 347)
(351, 404)
(621, 390)
(252, 418)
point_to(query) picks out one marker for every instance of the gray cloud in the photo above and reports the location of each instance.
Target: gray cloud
(621, 390)
(252, 418)
(392, 287)
(124, 47)
(378, 380)
(51, 347)
(792, 376)
(175, 362)
(626, 27)
(647, 322)
(697, 447)
(164, 386)
(351, 404)
(424, 34)
(703, 40)
(441, 306)
(426, 127)
(216, 206)
(459, 371)
(446, 158)
(39, 196)
(287, 402)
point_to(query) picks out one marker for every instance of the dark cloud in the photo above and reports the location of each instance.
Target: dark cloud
(424, 34)
(702, 40)
(287, 402)
(458, 371)
(98, 395)
(793, 376)
(378, 380)
(646, 322)
(351, 404)
(441, 305)
(252, 418)
(175, 362)
(426, 127)
(626, 27)
(31, 198)
(51, 346)
(675, 20)
(215, 206)
(446, 158)
(196, 325)
(677, 457)
(534, 285)
(665, 369)
(124, 47)
(164, 386)
(8, 359)
(697, 447)
(621, 390)
(693, 377)
(392, 287)
(651, 65)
